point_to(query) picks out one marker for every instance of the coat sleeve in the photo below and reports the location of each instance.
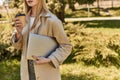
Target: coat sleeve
(16, 44)
(64, 49)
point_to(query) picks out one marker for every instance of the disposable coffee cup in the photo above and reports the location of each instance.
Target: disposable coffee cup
(22, 18)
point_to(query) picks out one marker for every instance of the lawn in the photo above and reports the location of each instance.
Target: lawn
(9, 70)
(82, 33)
(93, 13)
(75, 71)
(85, 36)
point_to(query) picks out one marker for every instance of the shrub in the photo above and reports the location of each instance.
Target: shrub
(6, 50)
(93, 47)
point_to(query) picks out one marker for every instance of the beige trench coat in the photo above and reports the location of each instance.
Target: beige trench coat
(48, 25)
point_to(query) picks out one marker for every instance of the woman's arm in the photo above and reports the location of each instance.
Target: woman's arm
(16, 42)
(64, 49)
(16, 39)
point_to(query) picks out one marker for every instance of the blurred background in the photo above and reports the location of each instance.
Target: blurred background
(93, 28)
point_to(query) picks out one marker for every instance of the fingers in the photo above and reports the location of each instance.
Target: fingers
(41, 60)
(18, 25)
(35, 57)
(18, 22)
(38, 62)
(16, 19)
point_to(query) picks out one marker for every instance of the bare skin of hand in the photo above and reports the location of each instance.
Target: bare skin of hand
(18, 26)
(40, 60)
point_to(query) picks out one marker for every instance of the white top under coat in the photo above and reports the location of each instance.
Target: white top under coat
(31, 21)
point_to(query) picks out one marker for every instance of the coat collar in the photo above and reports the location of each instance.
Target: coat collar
(42, 15)
(48, 14)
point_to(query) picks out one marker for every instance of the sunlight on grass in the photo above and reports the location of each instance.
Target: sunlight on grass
(105, 31)
(78, 71)
(93, 12)
(93, 35)
(9, 70)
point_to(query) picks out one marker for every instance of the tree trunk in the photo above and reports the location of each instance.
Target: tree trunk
(58, 8)
(112, 3)
(60, 14)
(88, 6)
(98, 5)
(71, 5)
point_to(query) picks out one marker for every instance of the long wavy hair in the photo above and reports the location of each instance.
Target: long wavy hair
(41, 8)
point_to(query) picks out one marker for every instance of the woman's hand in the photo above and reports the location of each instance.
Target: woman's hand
(18, 26)
(41, 60)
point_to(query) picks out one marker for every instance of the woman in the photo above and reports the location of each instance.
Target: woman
(40, 19)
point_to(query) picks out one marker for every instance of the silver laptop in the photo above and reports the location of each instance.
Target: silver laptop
(39, 45)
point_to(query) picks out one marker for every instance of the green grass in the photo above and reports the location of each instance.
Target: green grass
(3, 19)
(105, 27)
(6, 26)
(102, 24)
(95, 42)
(77, 71)
(93, 13)
(10, 70)
(93, 34)
(77, 13)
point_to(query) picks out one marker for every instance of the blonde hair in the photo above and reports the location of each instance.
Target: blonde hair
(41, 8)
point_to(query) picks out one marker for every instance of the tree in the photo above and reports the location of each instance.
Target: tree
(71, 4)
(112, 3)
(57, 7)
(88, 2)
(17, 3)
(98, 5)
(0, 15)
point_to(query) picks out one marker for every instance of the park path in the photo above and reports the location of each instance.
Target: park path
(81, 19)
(91, 19)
